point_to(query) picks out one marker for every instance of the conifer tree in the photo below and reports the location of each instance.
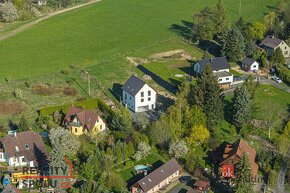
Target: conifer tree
(250, 48)
(221, 21)
(244, 181)
(235, 45)
(207, 95)
(242, 106)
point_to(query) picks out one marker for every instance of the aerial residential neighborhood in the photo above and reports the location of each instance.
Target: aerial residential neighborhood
(145, 96)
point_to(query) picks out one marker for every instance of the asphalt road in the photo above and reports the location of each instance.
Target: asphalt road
(280, 181)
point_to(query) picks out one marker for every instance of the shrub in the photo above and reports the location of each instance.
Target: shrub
(18, 94)
(42, 90)
(178, 149)
(65, 72)
(284, 74)
(143, 151)
(8, 12)
(69, 91)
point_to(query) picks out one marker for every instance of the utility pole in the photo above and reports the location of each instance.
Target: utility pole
(240, 7)
(89, 84)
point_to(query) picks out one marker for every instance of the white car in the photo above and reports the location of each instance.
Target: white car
(276, 79)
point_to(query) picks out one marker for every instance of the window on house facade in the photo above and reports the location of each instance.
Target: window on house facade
(23, 160)
(231, 162)
(227, 78)
(286, 53)
(125, 96)
(76, 130)
(220, 79)
(101, 127)
(149, 93)
(26, 146)
(149, 98)
(142, 100)
(130, 98)
(142, 94)
(254, 66)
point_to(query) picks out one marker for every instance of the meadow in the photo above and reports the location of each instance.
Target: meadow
(105, 30)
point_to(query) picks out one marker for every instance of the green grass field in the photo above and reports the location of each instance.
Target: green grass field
(102, 31)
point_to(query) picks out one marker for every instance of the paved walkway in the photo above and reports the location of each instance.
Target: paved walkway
(280, 180)
(42, 17)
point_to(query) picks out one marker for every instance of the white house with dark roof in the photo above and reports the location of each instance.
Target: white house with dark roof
(271, 43)
(250, 64)
(220, 67)
(23, 149)
(138, 96)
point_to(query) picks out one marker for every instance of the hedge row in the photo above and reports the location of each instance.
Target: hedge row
(284, 74)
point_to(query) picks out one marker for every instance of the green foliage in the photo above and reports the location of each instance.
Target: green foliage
(250, 48)
(122, 121)
(208, 97)
(244, 176)
(235, 45)
(23, 124)
(204, 28)
(197, 136)
(284, 74)
(242, 106)
(251, 86)
(221, 21)
(257, 30)
(277, 58)
(284, 139)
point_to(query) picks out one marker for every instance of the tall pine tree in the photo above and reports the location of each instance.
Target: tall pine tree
(244, 181)
(242, 106)
(221, 21)
(207, 95)
(235, 45)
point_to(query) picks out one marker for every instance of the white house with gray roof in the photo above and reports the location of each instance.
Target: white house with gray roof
(271, 43)
(138, 96)
(220, 67)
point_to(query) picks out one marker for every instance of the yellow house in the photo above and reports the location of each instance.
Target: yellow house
(80, 121)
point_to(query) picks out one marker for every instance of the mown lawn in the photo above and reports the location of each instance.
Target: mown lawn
(104, 30)
(129, 174)
(174, 72)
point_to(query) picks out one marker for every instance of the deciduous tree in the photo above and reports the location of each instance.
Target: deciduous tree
(178, 149)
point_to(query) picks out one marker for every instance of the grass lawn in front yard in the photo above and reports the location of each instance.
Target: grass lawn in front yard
(128, 173)
(174, 72)
(235, 73)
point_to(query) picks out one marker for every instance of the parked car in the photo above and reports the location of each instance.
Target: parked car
(277, 79)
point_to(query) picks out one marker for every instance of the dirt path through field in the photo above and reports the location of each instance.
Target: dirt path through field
(43, 17)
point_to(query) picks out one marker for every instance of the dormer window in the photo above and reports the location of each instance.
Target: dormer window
(16, 148)
(26, 146)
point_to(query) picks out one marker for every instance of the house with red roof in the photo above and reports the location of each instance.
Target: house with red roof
(80, 121)
(232, 155)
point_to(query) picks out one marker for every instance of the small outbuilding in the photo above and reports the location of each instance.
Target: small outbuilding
(249, 64)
